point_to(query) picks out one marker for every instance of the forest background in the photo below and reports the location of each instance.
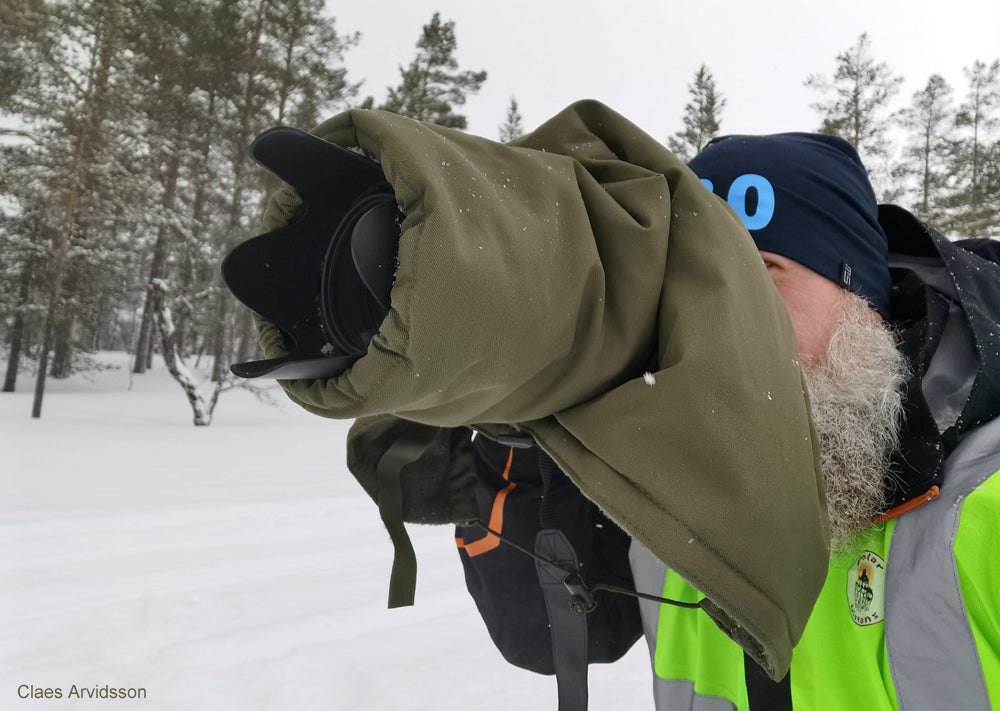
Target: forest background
(125, 178)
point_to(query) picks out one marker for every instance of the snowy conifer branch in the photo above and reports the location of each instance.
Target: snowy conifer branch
(20, 132)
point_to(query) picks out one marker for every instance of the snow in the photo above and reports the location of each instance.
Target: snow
(237, 566)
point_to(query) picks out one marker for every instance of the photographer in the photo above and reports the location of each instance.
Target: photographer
(608, 326)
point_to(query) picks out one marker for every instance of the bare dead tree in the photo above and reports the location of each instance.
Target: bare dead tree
(202, 407)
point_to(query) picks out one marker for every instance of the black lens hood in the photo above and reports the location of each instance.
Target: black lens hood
(325, 278)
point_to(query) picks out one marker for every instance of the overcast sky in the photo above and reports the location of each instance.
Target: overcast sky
(638, 56)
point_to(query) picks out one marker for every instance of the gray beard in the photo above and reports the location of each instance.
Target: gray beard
(857, 407)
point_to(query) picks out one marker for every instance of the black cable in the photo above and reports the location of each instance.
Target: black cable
(567, 571)
(647, 596)
(527, 552)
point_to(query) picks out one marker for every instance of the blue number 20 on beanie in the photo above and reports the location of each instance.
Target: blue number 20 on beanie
(808, 198)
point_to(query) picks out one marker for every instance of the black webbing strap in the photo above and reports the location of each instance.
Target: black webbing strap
(567, 619)
(567, 600)
(763, 693)
(406, 449)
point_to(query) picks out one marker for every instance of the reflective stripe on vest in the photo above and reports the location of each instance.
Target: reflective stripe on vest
(649, 573)
(679, 694)
(932, 652)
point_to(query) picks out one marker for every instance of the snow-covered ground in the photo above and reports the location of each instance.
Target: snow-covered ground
(237, 566)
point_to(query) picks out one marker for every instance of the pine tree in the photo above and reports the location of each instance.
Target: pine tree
(976, 153)
(859, 108)
(979, 115)
(702, 116)
(217, 73)
(929, 120)
(25, 39)
(22, 250)
(162, 42)
(76, 101)
(310, 75)
(432, 86)
(511, 127)
(289, 68)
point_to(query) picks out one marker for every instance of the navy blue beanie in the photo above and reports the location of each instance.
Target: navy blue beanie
(807, 197)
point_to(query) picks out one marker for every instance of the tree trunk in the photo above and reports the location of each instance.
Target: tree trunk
(62, 346)
(187, 282)
(55, 293)
(975, 157)
(247, 339)
(225, 335)
(145, 329)
(925, 202)
(175, 364)
(222, 338)
(157, 270)
(17, 331)
(85, 141)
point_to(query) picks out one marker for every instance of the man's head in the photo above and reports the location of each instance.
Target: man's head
(807, 203)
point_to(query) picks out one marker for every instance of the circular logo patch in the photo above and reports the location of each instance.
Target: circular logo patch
(866, 589)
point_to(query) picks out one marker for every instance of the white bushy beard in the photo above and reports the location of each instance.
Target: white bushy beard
(857, 408)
